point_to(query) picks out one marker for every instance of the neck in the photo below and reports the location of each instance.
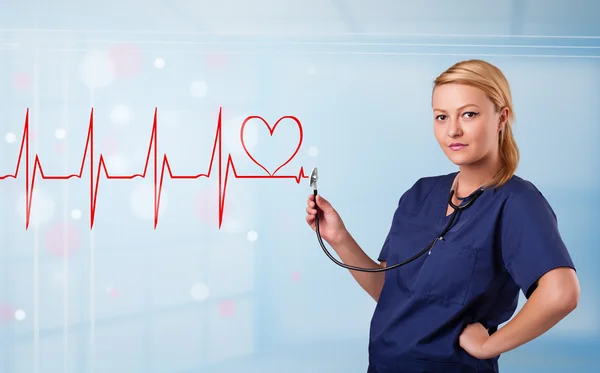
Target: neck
(474, 176)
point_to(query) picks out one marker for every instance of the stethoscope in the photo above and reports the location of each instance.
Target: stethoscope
(313, 183)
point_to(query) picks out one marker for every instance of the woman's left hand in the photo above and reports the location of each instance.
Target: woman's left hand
(473, 339)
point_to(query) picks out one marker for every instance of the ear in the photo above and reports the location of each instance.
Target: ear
(502, 118)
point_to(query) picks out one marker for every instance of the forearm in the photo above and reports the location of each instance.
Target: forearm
(544, 309)
(351, 254)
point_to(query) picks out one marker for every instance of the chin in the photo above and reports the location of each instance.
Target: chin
(460, 160)
(466, 159)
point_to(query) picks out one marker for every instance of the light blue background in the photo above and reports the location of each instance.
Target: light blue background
(259, 295)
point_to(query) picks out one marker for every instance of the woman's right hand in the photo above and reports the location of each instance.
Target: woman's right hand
(331, 226)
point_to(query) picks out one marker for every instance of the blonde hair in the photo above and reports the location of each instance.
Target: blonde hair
(491, 80)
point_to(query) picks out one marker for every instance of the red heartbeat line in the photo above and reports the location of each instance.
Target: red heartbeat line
(158, 180)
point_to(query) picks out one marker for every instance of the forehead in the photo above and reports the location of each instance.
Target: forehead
(454, 96)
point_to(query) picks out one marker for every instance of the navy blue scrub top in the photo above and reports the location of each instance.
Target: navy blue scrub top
(500, 245)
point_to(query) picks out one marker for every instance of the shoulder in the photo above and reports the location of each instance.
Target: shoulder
(518, 186)
(522, 199)
(425, 187)
(426, 184)
(429, 182)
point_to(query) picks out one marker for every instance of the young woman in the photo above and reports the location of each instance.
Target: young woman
(440, 313)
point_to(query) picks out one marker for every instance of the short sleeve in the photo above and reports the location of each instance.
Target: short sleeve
(531, 242)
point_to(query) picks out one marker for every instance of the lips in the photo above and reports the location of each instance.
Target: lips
(457, 146)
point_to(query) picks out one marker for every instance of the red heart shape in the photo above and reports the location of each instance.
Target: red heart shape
(271, 130)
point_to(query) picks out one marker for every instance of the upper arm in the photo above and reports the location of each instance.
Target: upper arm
(561, 286)
(383, 264)
(532, 246)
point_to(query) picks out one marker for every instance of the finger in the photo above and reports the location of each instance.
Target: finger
(322, 201)
(311, 204)
(311, 221)
(311, 211)
(311, 197)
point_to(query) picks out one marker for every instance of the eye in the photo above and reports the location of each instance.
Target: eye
(470, 114)
(440, 117)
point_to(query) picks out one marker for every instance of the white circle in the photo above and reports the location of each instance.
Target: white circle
(97, 69)
(231, 135)
(199, 88)
(120, 114)
(11, 137)
(76, 214)
(252, 236)
(313, 151)
(142, 201)
(60, 133)
(20, 315)
(200, 291)
(159, 63)
(231, 226)
(116, 165)
(42, 207)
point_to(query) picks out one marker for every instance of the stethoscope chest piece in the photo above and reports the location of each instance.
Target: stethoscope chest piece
(314, 175)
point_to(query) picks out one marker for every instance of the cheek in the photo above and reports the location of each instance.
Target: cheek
(482, 135)
(490, 136)
(438, 132)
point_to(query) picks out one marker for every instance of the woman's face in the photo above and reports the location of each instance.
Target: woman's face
(466, 123)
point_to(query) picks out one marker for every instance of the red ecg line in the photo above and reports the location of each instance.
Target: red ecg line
(158, 179)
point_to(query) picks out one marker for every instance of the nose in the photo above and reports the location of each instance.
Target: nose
(454, 128)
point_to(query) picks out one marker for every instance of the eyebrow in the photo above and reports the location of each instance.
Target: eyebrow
(460, 108)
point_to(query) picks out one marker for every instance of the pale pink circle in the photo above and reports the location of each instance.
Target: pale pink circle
(227, 308)
(22, 81)
(127, 60)
(114, 293)
(55, 239)
(216, 60)
(110, 146)
(296, 277)
(207, 205)
(7, 312)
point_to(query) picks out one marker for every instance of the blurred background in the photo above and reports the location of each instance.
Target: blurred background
(257, 294)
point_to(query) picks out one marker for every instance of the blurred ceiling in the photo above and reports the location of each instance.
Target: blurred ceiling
(308, 17)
